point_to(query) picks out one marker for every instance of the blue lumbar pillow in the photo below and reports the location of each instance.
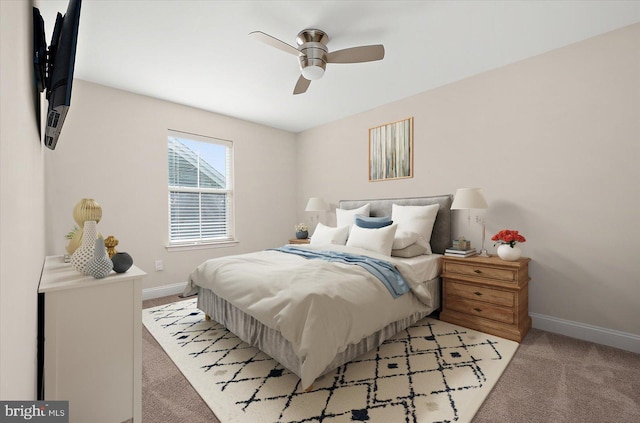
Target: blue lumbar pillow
(373, 222)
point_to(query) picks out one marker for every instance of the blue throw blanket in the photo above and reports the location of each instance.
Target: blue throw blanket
(383, 270)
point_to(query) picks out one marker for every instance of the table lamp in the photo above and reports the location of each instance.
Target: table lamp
(316, 204)
(471, 198)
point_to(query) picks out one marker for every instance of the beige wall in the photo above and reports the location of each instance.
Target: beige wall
(113, 148)
(554, 141)
(22, 240)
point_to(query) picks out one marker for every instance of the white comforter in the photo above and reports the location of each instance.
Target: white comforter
(319, 307)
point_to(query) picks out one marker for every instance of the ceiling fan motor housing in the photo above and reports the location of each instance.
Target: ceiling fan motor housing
(313, 49)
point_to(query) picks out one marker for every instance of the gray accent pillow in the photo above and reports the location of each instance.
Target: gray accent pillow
(412, 250)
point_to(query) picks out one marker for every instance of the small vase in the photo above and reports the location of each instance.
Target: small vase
(100, 265)
(508, 253)
(302, 234)
(121, 262)
(84, 253)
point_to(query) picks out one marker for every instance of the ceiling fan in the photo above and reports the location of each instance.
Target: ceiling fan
(313, 54)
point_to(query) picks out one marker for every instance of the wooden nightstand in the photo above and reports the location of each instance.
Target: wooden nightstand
(299, 241)
(487, 294)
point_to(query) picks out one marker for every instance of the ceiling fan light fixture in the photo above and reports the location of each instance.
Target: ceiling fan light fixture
(312, 72)
(313, 60)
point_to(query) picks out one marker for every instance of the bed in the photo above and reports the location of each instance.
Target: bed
(312, 316)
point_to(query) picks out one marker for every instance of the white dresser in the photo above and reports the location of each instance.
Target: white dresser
(92, 332)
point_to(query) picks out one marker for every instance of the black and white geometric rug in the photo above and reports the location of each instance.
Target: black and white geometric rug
(431, 372)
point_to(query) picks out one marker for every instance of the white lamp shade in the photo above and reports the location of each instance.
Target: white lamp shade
(469, 198)
(316, 204)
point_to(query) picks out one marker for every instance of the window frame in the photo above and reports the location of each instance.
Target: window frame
(201, 243)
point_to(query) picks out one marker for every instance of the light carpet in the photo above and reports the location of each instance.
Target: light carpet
(431, 372)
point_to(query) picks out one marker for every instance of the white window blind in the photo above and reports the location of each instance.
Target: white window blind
(200, 189)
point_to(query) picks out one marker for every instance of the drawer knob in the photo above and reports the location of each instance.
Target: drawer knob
(478, 309)
(478, 271)
(479, 294)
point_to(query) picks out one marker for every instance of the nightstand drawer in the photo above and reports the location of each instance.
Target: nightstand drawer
(480, 271)
(300, 241)
(479, 293)
(476, 308)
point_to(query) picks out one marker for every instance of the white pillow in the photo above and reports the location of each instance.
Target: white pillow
(327, 235)
(379, 240)
(348, 217)
(418, 219)
(403, 239)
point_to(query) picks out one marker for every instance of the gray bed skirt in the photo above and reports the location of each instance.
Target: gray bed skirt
(271, 342)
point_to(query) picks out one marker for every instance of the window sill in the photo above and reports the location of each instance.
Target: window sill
(201, 246)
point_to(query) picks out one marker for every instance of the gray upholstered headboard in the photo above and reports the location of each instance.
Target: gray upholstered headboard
(441, 235)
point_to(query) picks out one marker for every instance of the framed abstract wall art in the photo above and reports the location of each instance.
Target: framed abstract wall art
(391, 151)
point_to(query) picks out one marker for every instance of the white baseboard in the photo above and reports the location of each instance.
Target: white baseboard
(163, 291)
(613, 338)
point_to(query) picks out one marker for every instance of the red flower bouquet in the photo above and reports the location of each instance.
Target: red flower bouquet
(508, 236)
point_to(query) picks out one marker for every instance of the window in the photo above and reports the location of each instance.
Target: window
(200, 189)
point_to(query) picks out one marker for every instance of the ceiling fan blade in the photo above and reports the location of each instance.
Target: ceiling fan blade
(274, 42)
(357, 54)
(302, 85)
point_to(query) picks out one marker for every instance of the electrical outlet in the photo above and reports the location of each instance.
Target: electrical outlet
(159, 265)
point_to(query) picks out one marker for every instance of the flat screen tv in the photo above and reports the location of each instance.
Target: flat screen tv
(57, 67)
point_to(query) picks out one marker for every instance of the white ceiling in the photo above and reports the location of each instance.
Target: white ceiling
(198, 53)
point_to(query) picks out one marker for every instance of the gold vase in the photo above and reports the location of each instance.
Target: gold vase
(86, 209)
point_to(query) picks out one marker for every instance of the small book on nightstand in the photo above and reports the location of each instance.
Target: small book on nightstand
(452, 252)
